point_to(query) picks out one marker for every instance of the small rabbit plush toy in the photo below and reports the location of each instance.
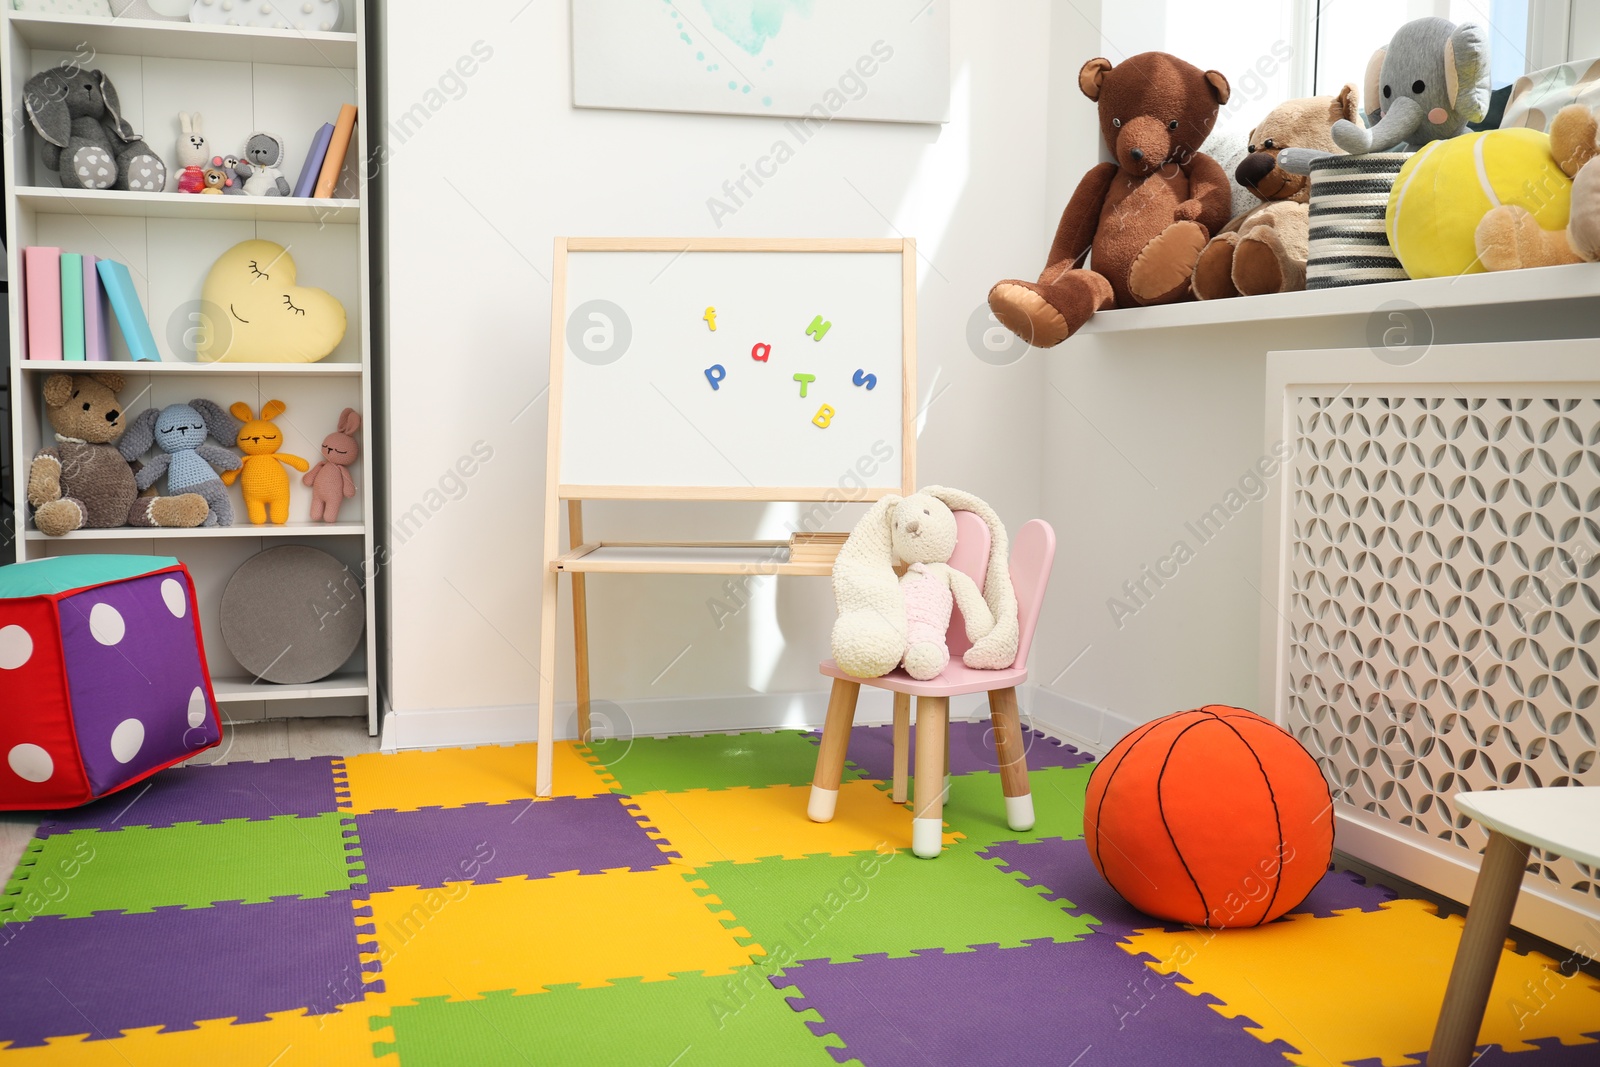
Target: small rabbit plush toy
(264, 482)
(189, 461)
(191, 154)
(330, 479)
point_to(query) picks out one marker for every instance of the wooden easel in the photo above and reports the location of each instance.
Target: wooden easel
(581, 557)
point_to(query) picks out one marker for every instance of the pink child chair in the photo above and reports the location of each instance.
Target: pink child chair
(1032, 554)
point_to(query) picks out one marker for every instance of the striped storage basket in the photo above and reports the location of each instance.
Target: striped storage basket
(1349, 196)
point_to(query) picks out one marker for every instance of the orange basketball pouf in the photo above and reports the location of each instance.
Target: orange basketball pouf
(1214, 817)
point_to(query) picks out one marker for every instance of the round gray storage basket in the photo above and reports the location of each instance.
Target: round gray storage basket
(292, 614)
(1349, 199)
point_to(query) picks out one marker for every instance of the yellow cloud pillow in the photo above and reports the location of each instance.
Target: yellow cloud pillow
(257, 314)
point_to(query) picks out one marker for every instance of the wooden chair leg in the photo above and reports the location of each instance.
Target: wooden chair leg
(1013, 758)
(831, 752)
(902, 744)
(1478, 956)
(927, 827)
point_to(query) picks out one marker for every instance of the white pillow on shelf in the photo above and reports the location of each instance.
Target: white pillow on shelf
(157, 10)
(316, 15)
(94, 9)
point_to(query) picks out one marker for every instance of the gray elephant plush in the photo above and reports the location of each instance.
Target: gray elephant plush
(1428, 83)
(86, 139)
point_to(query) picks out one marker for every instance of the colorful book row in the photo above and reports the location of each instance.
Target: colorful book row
(64, 297)
(320, 174)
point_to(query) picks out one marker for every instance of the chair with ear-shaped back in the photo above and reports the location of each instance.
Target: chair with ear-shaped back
(1032, 555)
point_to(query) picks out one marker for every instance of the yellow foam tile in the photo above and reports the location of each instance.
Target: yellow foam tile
(744, 825)
(287, 1039)
(1368, 985)
(452, 777)
(464, 940)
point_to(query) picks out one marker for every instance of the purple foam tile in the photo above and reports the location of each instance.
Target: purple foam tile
(971, 749)
(1547, 1053)
(209, 794)
(1065, 869)
(174, 967)
(487, 842)
(1085, 1002)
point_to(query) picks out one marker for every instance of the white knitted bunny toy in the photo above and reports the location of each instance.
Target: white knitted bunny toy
(885, 622)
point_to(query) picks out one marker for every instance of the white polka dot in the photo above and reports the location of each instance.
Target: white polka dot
(15, 647)
(172, 593)
(127, 739)
(197, 707)
(31, 763)
(105, 622)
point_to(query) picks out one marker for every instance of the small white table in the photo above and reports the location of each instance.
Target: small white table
(1563, 820)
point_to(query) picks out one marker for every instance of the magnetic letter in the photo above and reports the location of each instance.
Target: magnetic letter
(715, 373)
(823, 417)
(760, 352)
(711, 318)
(868, 380)
(804, 380)
(818, 329)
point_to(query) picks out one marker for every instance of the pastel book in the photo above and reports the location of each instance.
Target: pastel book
(311, 170)
(343, 129)
(96, 338)
(72, 306)
(129, 311)
(41, 281)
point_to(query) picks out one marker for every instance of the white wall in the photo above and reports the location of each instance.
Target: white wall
(475, 198)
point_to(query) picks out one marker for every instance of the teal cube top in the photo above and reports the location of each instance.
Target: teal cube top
(62, 574)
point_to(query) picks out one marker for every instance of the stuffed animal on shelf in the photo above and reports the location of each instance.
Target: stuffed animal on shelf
(1264, 249)
(265, 315)
(229, 165)
(217, 182)
(87, 142)
(1510, 237)
(189, 461)
(85, 480)
(330, 479)
(263, 155)
(886, 622)
(263, 481)
(1145, 218)
(1426, 85)
(191, 154)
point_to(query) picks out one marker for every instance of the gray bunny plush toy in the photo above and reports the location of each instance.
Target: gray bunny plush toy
(86, 139)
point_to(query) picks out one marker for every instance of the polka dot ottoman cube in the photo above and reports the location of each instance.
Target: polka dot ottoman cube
(103, 677)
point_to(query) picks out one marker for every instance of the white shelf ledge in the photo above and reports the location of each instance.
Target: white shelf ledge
(50, 200)
(241, 528)
(185, 40)
(233, 690)
(1574, 281)
(128, 367)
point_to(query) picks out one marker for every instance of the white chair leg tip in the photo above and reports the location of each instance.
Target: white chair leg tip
(1019, 812)
(823, 803)
(927, 837)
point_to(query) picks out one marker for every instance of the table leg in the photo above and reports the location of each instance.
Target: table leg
(1488, 919)
(927, 827)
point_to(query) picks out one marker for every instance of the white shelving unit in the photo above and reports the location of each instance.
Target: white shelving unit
(241, 80)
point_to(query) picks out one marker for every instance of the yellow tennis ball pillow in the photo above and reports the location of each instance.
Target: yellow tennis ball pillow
(1446, 189)
(256, 312)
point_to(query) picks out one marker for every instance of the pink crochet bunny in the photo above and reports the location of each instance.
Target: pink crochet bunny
(330, 479)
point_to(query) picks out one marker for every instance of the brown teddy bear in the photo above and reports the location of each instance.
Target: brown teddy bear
(1264, 250)
(1510, 238)
(85, 481)
(1145, 217)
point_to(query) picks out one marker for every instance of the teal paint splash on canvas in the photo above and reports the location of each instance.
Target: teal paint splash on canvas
(750, 24)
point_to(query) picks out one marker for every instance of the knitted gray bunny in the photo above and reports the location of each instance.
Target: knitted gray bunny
(86, 140)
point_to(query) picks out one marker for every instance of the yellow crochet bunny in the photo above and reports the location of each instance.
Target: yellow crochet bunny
(264, 482)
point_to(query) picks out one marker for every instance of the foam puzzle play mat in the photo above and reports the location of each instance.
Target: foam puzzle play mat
(673, 905)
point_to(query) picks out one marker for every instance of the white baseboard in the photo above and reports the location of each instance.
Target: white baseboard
(1081, 725)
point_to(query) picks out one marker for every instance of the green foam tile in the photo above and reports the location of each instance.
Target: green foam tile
(139, 869)
(977, 808)
(690, 1021)
(841, 907)
(715, 761)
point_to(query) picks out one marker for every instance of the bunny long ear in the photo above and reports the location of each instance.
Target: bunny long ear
(868, 552)
(219, 424)
(869, 636)
(141, 434)
(185, 125)
(349, 421)
(108, 93)
(998, 649)
(45, 99)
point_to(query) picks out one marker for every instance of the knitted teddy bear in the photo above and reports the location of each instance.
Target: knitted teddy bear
(330, 479)
(188, 460)
(263, 155)
(85, 480)
(1509, 237)
(1264, 249)
(887, 622)
(1144, 218)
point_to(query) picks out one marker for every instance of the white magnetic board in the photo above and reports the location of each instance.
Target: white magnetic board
(652, 397)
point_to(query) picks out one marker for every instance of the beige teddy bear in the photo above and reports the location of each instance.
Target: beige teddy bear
(1510, 238)
(1264, 250)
